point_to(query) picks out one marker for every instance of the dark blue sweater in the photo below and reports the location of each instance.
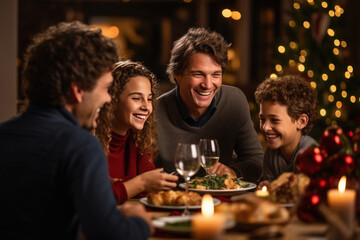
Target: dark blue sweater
(54, 180)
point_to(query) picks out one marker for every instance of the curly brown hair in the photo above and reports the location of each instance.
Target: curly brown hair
(196, 40)
(145, 139)
(294, 92)
(62, 54)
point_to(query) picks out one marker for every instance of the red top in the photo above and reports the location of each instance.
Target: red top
(125, 163)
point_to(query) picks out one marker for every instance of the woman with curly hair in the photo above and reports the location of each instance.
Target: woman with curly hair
(288, 111)
(127, 131)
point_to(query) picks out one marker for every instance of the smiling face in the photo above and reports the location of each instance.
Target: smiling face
(279, 129)
(135, 105)
(87, 110)
(198, 84)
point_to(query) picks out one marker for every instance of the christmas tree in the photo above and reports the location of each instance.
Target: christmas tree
(315, 46)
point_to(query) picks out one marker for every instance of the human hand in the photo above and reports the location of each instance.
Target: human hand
(221, 169)
(155, 180)
(130, 209)
(263, 183)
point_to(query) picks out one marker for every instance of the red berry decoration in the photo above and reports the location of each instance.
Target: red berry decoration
(342, 163)
(355, 139)
(332, 140)
(307, 210)
(310, 160)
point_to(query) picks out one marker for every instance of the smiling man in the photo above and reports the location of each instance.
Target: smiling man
(53, 172)
(201, 107)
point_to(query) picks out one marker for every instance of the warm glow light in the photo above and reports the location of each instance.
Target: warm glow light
(292, 63)
(343, 44)
(347, 75)
(342, 184)
(315, 199)
(303, 53)
(331, 98)
(350, 68)
(296, 6)
(207, 205)
(311, 2)
(278, 67)
(344, 94)
(331, 67)
(332, 88)
(313, 84)
(343, 85)
(293, 45)
(264, 189)
(322, 112)
(236, 15)
(353, 99)
(337, 113)
(324, 4)
(301, 67)
(302, 59)
(324, 77)
(306, 24)
(273, 75)
(226, 13)
(338, 104)
(310, 73)
(231, 54)
(336, 51)
(281, 49)
(292, 23)
(330, 32)
(337, 42)
(331, 13)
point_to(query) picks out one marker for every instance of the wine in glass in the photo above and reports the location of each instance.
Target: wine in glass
(209, 152)
(187, 163)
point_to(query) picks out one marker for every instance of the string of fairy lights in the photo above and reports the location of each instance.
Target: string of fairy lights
(336, 90)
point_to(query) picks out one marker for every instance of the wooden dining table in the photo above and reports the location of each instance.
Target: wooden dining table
(293, 230)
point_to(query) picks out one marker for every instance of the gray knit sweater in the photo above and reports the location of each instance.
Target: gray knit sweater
(230, 124)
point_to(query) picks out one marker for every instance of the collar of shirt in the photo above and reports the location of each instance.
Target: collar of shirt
(185, 114)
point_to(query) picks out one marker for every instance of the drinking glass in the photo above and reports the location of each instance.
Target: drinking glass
(187, 163)
(209, 153)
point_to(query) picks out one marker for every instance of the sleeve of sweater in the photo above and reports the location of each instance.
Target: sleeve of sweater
(145, 163)
(94, 202)
(250, 155)
(119, 191)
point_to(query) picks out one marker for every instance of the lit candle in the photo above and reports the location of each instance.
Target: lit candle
(342, 203)
(208, 225)
(264, 193)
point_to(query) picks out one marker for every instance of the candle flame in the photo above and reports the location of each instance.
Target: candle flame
(342, 184)
(207, 205)
(264, 189)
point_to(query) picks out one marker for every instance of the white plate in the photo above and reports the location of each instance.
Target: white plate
(160, 223)
(145, 202)
(221, 192)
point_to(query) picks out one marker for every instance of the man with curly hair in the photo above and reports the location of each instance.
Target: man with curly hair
(201, 107)
(288, 111)
(53, 173)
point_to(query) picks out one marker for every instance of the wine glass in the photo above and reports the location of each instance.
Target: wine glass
(187, 163)
(209, 153)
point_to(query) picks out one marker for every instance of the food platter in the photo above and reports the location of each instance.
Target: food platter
(222, 192)
(173, 207)
(160, 223)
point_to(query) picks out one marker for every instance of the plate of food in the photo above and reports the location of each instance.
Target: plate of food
(251, 212)
(181, 224)
(217, 185)
(174, 200)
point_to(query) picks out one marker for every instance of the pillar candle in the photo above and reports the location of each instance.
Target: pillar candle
(207, 225)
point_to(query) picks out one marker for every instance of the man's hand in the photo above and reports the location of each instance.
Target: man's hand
(221, 169)
(130, 209)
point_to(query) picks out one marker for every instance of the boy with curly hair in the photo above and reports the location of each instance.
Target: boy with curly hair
(288, 110)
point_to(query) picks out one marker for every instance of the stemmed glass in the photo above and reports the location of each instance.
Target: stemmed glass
(209, 152)
(187, 163)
